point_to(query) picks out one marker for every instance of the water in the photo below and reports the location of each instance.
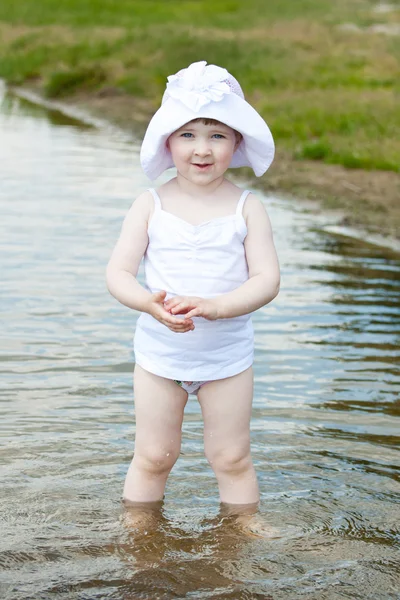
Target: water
(325, 425)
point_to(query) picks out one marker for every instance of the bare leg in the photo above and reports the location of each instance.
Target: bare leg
(226, 407)
(159, 406)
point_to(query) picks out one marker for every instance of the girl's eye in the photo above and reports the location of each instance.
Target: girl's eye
(186, 135)
(219, 136)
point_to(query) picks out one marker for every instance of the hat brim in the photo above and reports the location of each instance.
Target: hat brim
(256, 149)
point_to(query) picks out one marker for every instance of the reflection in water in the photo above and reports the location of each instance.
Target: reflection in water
(11, 107)
(324, 431)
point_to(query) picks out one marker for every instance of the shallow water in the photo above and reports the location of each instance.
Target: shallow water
(325, 428)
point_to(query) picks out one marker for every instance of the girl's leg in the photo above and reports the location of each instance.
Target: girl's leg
(226, 407)
(159, 406)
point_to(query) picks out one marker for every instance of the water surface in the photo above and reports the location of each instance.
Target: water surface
(325, 429)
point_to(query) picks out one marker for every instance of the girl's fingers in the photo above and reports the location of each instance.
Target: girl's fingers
(175, 323)
(173, 302)
(180, 305)
(195, 312)
(186, 328)
(181, 329)
(171, 320)
(178, 327)
(184, 308)
(180, 308)
(177, 305)
(178, 324)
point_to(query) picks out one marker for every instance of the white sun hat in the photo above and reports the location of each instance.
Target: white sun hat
(210, 92)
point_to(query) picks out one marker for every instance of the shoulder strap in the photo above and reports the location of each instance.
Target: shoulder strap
(242, 200)
(156, 197)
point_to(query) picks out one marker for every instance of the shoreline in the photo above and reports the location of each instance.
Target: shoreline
(348, 195)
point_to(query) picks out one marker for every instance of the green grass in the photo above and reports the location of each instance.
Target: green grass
(132, 13)
(328, 94)
(61, 83)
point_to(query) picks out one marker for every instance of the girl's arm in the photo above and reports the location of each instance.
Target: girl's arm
(264, 277)
(124, 264)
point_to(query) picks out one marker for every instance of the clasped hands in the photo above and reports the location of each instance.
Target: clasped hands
(190, 306)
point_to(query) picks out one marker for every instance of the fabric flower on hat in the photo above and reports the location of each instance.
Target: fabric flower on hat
(198, 85)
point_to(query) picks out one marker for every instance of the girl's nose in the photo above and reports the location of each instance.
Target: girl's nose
(202, 148)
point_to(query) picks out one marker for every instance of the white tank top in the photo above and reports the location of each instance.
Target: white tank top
(203, 260)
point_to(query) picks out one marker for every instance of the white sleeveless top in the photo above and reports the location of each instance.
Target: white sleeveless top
(203, 260)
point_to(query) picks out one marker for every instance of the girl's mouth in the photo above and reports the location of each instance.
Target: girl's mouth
(202, 167)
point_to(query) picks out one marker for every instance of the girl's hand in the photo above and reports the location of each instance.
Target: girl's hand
(156, 309)
(192, 306)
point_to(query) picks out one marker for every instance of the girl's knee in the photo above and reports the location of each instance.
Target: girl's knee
(230, 460)
(156, 461)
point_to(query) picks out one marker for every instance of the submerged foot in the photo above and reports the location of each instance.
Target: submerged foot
(256, 526)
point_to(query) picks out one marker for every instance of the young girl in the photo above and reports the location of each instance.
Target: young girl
(209, 262)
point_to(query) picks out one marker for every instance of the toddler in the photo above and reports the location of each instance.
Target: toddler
(209, 261)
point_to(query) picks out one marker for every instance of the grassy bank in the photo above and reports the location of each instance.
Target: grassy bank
(324, 74)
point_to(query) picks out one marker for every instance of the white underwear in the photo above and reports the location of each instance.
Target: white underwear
(191, 387)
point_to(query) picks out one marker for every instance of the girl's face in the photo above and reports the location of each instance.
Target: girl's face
(202, 153)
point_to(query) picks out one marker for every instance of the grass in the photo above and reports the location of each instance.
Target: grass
(330, 94)
(64, 82)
